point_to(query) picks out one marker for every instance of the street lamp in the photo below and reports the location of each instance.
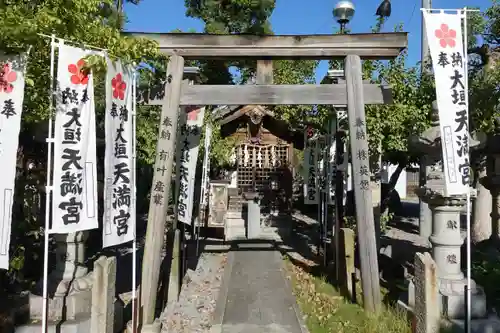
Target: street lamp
(384, 10)
(343, 12)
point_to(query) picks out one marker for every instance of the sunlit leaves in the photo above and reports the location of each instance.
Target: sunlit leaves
(79, 22)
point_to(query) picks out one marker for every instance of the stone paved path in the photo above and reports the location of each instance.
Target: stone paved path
(259, 298)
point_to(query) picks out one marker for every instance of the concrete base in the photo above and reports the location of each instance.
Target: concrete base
(152, 328)
(453, 299)
(487, 325)
(74, 296)
(79, 322)
(77, 325)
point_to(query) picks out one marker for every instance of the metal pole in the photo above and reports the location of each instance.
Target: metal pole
(468, 293)
(48, 188)
(134, 209)
(320, 195)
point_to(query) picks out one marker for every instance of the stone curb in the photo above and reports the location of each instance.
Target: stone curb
(220, 309)
(288, 287)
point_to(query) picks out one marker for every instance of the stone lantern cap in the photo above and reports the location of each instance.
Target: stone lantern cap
(429, 142)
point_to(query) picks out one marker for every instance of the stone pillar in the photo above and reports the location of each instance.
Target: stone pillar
(425, 218)
(103, 295)
(427, 314)
(495, 213)
(492, 182)
(446, 238)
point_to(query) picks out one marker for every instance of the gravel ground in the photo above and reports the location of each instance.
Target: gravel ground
(197, 301)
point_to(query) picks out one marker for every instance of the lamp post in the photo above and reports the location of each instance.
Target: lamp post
(343, 12)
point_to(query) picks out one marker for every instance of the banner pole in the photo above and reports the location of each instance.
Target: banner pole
(48, 188)
(134, 229)
(468, 209)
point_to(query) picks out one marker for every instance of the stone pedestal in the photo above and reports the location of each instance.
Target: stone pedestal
(69, 284)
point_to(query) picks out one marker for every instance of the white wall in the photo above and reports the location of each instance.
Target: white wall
(387, 171)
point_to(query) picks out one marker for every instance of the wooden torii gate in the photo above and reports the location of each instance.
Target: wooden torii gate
(354, 94)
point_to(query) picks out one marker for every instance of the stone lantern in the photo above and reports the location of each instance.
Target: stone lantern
(492, 183)
(446, 238)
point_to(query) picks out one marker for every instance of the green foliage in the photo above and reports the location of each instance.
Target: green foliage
(80, 22)
(391, 125)
(295, 72)
(245, 16)
(231, 16)
(484, 74)
(221, 148)
(89, 22)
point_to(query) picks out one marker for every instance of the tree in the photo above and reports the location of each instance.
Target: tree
(390, 126)
(90, 22)
(246, 16)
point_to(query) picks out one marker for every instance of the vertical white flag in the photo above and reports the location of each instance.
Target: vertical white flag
(205, 180)
(119, 168)
(74, 204)
(188, 145)
(311, 196)
(12, 70)
(444, 34)
(332, 167)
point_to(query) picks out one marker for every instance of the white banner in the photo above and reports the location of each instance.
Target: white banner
(444, 34)
(12, 70)
(119, 168)
(332, 166)
(311, 196)
(74, 203)
(188, 144)
(205, 181)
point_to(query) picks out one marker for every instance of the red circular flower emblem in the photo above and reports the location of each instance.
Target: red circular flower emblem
(310, 132)
(7, 77)
(79, 74)
(446, 36)
(118, 86)
(192, 112)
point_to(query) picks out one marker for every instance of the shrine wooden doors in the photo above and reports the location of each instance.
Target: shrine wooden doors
(266, 169)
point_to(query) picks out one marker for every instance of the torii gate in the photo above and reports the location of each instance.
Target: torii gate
(354, 94)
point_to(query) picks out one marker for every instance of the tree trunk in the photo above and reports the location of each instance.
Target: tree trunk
(481, 219)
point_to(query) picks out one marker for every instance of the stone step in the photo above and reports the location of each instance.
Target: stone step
(236, 203)
(233, 200)
(235, 223)
(233, 192)
(234, 215)
(75, 325)
(234, 233)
